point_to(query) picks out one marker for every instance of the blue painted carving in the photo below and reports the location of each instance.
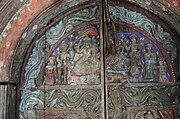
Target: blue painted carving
(141, 21)
(136, 59)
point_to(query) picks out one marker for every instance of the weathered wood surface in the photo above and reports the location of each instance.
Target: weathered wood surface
(3, 96)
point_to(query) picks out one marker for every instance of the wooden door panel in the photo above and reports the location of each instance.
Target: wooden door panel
(78, 69)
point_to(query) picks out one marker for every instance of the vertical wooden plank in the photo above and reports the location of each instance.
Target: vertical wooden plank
(11, 102)
(3, 96)
(103, 101)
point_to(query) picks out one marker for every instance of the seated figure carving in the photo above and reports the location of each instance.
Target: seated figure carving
(134, 50)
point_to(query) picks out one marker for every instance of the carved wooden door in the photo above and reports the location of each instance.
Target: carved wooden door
(84, 67)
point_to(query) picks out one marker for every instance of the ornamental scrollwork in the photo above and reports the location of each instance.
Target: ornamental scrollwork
(87, 100)
(141, 21)
(140, 102)
(34, 63)
(68, 23)
(31, 101)
(146, 96)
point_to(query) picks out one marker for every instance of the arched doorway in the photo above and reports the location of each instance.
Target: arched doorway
(82, 65)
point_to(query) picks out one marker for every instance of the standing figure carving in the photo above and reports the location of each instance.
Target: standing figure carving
(59, 68)
(51, 72)
(150, 62)
(162, 70)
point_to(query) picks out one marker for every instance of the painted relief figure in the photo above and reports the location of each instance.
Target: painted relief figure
(118, 62)
(86, 57)
(86, 60)
(126, 62)
(150, 62)
(51, 72)
(134, 50)
(136, 60)
(162, 70)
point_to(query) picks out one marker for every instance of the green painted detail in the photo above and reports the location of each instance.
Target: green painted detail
(143, 22)
(69, 22)
(34, 63)
(89, 100)
(32, 100)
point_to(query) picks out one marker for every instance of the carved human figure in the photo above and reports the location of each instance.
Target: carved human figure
(150, 62)
(51, 72)
(118, 62)
(162, 70)
(86, 57)
(134, 50)
(85, 62)
(59, 68)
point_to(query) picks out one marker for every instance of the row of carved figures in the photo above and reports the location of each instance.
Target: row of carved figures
(77, 63)
(83, 59)
(129, 58)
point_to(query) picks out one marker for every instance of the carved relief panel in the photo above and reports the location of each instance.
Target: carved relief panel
(73, 72)
(76, 60)
(136, 59)
(139, 68)
(62, 75)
